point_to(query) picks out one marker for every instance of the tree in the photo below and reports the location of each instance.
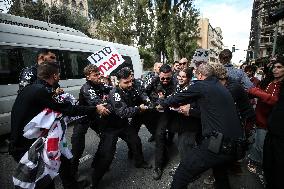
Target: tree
(177, 29)
(118, 24)
(155, 26)
(57, 15)
(64, 16)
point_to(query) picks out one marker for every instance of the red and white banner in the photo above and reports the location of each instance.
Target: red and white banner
(107, 59)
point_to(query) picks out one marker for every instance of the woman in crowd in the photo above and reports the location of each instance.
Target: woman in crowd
(267, 95)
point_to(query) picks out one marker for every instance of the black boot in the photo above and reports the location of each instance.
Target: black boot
(157, 173)
(130, 154)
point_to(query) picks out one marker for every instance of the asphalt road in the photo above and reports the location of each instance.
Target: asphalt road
(123, 174)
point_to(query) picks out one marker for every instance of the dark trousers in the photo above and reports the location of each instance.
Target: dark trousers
(186, 141)
(107, 148)
(273, 161)
(78, 143)
(164, 121)
(197, 161)
(148, 118)
(78, 138)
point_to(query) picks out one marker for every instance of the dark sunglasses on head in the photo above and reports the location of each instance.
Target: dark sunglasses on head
(165, 78)
(183, 63)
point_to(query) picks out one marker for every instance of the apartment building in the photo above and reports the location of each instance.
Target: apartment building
(210, 38)
(262, 30)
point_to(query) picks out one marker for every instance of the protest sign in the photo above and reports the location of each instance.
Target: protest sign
(200, 55)
(107, 60)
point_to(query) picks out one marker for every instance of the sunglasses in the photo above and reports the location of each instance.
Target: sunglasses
(183, 63)
(165, 78)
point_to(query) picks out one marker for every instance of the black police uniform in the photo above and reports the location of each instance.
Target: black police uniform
(91, 94)
(244, 107)
(123, 108)
(140, 97)
(218, 114)
(27, 76)
(30, 102)
(165, 119)
(187, 127)
(149, 78)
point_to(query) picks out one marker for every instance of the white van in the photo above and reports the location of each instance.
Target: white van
(22, 38)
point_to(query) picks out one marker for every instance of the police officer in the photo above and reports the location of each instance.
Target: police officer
(188, 125)
(123, 108)
(151, 75)
(29, 74)
(220, 128)
(92, 93)
(161, 87)
(30, 102)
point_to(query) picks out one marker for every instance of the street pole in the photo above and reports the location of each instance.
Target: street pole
(275, 38)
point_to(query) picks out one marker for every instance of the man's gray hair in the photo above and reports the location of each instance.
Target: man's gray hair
(205, 70)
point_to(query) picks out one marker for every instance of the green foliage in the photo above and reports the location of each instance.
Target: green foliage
(64, 16)
(55, 15)
(100, 8)
(148, 57)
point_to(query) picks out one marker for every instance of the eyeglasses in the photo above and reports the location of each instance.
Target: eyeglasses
(165, 78)
(182, 63)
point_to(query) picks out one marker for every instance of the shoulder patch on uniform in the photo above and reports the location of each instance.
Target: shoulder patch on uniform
(92, 93)
(117, 97)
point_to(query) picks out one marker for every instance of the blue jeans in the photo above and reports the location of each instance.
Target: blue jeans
(256, 152)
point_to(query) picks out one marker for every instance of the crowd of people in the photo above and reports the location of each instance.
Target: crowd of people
(220, 113)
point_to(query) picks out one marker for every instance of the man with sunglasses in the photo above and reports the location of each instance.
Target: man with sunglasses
(183, 63)
(92, 93)
(29, 74)
(160, 88)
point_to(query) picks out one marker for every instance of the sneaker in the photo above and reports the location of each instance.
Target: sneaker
(209, 180)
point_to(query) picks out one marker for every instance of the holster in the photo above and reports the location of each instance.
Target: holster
(237, 148)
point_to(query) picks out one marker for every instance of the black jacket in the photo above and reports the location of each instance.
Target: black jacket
(275, 121)
(217, 108)
(124, 106)
(93, 94)
(241, 99)
(156, 86)
(30, 102)
(27, 76)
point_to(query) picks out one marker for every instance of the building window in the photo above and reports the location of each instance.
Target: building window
(73, 3)
(81, 6)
